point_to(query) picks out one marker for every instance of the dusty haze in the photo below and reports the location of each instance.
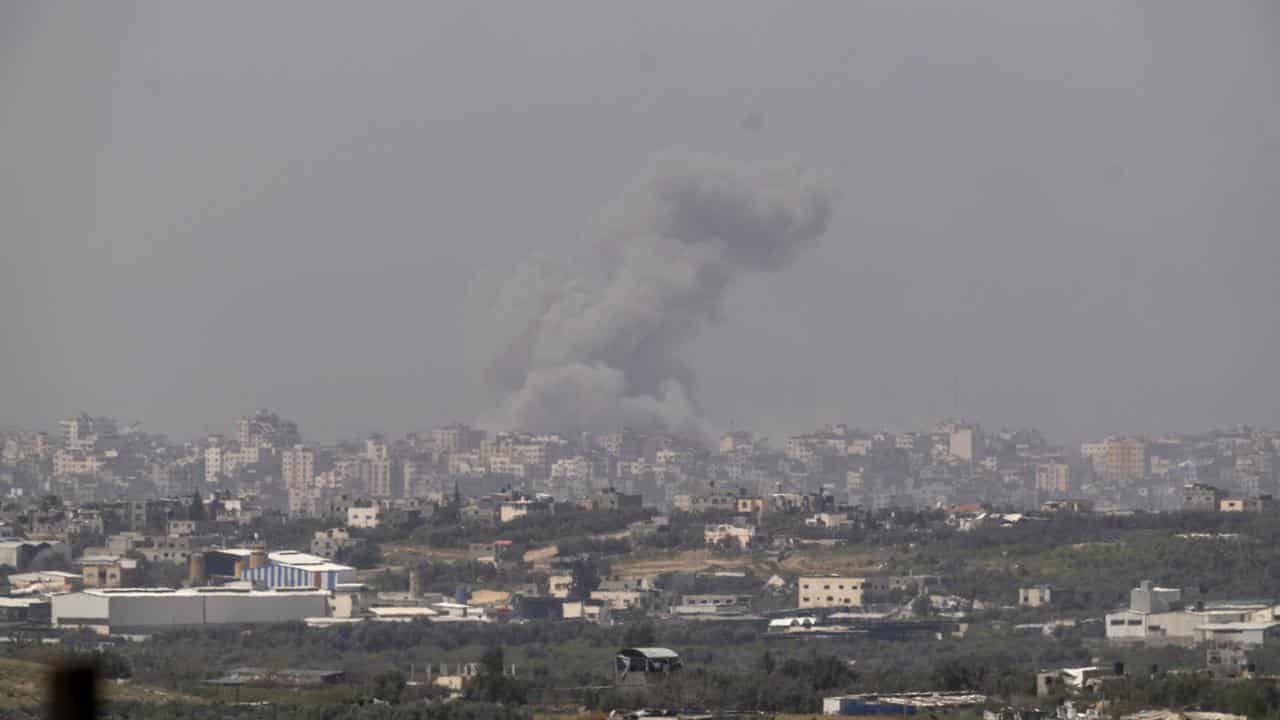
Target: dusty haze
(1071, 207)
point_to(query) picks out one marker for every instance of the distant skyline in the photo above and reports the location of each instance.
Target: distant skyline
(1070, 207)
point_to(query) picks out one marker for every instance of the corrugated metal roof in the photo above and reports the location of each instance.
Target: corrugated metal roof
(654, 653)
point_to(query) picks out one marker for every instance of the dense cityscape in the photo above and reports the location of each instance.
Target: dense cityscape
(828, 561)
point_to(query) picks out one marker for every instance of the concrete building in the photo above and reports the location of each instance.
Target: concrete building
(297, 470)
(1124, 459)
(376, 475)
(523, 507)
(1053, 478)
(364, 517)
(1239, 634)
(559, 586)
(964, 442)
(106, 571)
(31, 609)
(1036, 596)
(456, 438)
(1244, 505)
(829, 591)
(1198, 497)
(117, 610)
(328, 543)
(20, 554)
(1158, 616)
(743, 535)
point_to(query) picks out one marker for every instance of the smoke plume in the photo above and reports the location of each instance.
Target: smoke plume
(596, 342)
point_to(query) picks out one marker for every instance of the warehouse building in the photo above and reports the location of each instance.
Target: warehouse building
(114, 610)
(20, 554)
(292, 569)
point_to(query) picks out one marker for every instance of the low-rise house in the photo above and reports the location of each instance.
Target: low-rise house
(829, 520)
(106, 571)
(624, 599)
(364, 517)
(743, 535)
(559, 586)
(610, 500)
(1036, 596)
(328, 543)
(1076, 679)
(1245, 505)
(516, 508)
(712, 604)
(833, 591)
(1072, 505)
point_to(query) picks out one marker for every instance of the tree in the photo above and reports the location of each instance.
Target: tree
(387, 686)
(493, 685)
(362, 556)
(585, 578)
(196, 510)
(639, 635)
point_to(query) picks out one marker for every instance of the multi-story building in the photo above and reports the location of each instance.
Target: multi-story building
(75, 462)
(375, 475)
(829, 591)
(297, 469)
(1125, 459)
(1199, 497)
(964, 442)
(456, 438)
(1053, 477)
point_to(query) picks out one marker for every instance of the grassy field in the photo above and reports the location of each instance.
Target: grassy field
(24, 684)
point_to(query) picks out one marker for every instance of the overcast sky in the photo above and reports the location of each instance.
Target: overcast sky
(1073, 207)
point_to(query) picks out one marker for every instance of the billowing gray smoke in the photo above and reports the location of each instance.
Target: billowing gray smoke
(596, 343)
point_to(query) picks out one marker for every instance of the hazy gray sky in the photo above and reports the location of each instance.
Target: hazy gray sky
(1074, 207)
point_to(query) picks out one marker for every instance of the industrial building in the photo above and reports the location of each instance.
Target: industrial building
(113, 610)
(292, 569)
(19, 554)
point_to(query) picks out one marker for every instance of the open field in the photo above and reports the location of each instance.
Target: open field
(24, 684)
